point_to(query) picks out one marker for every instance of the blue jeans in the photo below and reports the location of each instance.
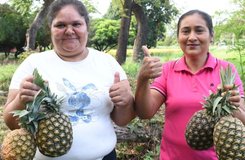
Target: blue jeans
(111, 156)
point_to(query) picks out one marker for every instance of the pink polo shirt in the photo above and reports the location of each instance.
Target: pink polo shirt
(184, 93)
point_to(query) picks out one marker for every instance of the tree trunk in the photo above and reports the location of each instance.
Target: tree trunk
(142, 28)
(36, 24)
(124, 32)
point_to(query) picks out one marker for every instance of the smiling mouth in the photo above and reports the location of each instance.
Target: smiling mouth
(69, 39)
(192, 45)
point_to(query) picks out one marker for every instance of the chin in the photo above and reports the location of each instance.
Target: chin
(194, 52)
(70, 50)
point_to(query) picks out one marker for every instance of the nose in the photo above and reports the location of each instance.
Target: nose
(69, 29)
(192, 36)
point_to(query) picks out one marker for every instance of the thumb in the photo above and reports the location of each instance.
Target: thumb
(146, 51)
(116, 77)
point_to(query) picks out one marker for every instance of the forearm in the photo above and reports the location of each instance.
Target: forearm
(122, 115)
(144, 101)
(10, 106)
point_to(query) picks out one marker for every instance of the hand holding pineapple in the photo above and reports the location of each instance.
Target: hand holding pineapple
(235, 99)
(17, 100)
(41, 124)
(28, 90)
(229, 132)
(216, 123)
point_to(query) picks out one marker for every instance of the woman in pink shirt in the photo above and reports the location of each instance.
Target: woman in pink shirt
(182, 84)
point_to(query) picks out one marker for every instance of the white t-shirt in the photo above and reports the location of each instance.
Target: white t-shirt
(85, 88)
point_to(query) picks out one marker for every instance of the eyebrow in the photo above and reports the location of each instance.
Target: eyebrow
(187, 27)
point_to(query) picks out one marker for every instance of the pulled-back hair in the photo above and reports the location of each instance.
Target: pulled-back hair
(57, 5)
(206, 17)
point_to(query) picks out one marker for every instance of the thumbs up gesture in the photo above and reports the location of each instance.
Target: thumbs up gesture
(120, 91)
(151, 67)
(116, 77)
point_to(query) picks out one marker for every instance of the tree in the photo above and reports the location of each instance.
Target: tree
(25, 6)
(142, 29)
(232, 31)
(104, 33)
(36, 24)
(113, 11)
(43, 39)
(151, 17)
(12, 30)
(124, 32)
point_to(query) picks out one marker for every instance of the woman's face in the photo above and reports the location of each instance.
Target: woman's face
(69, 33)
(194, 37)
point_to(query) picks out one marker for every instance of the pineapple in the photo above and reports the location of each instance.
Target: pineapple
(54, 136)
(18, 144)
(54, 132)
(199, 130)
(42, 125)
(229, 139)
(229, 132)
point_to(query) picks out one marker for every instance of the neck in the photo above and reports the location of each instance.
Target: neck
(74, 57)
(195, 63)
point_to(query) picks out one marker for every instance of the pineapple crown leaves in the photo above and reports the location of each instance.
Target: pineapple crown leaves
(227, 77)
(29, 117)
(38, 80)
(218, 104)
(49, 102)
(44, 102)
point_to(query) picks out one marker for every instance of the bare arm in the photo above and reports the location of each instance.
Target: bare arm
(17, 100)
(148, 101)
(122, 97)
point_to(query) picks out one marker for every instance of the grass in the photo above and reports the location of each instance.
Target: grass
(6, 74)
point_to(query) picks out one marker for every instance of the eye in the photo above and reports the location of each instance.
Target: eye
(60, 25)
(77, 24)
(185, 31)
(200, 30)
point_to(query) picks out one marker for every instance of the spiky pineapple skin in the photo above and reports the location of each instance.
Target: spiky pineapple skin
(54, 136)
(199, 131)
(229, 139)
(18, 144)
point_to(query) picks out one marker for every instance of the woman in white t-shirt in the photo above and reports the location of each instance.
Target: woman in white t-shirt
(96, 90)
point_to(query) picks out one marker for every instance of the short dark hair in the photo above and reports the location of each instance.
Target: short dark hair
(57, 5)
(207, 18)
